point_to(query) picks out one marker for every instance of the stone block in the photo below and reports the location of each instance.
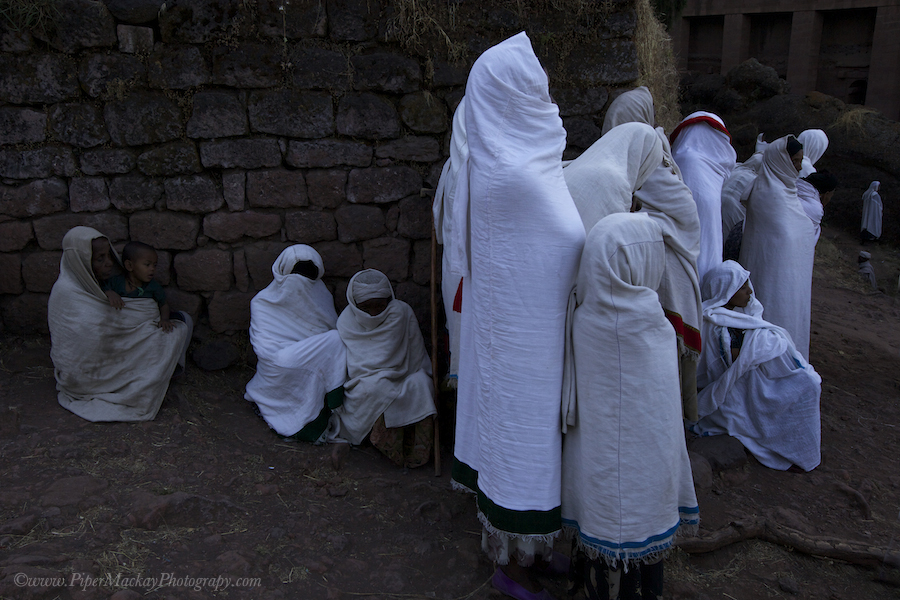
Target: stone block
(415, 218)
(419, 299)
(107, 161)
(294, 19)
(411, 148)
(384, 72)
(15, 41)
(328, 153)
(318, 68)
(143, 118)
(580, 101)
(247, 66)
(22, 125)
(37, 78)
(163, 273)
(88, 194)
(79, 24)
(612, 62)
(352, 20)
(15, 235)
(276, 188)
(184, 301)
(198, 21)
(308, 227)
(40, 162)
(581, 132)
(421, 264)
(358, 222)
(50, 231)
(230, 311)
(40, 271)
(192, 193)
(134, 12)
(391, 218)
(203, 270)
(388, 255)
(450, 74)
(291, 114)
(241, 274)
(252, 153)
(11, 274)
(230, 227)
(110, 73)
(367, 116)
(340, 260)
(167, 230)
(326, 188)
(134, 40)
(259, 259)
(453, 99)
(177, 68)
(26, 313)
(134, 192)
(175, 158)
(36, 198)
(234, 188)
(423, 113)
(382, 184)
(217, 115)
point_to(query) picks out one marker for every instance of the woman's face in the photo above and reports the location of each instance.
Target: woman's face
(101, 259)
(741, 297)
(797, 160)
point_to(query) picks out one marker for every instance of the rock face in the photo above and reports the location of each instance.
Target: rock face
(222, 132)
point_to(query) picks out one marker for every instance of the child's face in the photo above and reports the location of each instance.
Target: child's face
(741, 297)
(374, 306)
(101, 259)
(142, 268)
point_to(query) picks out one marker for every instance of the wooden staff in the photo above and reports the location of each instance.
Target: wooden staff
(425, 192)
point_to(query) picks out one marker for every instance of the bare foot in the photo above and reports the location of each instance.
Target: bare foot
(339, 453)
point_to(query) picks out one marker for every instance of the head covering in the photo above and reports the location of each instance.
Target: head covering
(815, 142)
(76, 258)
(696, 118)
(793, 146)
(634, 106)
(865, 255)
(366, 285)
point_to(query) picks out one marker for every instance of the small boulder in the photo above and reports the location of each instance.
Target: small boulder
(722, 451)
(216, 355)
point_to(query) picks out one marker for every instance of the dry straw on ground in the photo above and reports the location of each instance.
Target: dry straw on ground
(656, 62)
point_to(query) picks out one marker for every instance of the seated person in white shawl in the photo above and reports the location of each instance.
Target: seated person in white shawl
(302, 360)
(627, 487)
(389, 373)
(757, 387)
(110, 365)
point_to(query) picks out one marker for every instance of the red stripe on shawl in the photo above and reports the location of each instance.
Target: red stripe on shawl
(457, 300)
(687, 333)
(701, 119)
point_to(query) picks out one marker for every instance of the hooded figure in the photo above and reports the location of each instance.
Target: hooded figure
(871, 213)
(110, 365)
(768, 396)
(815, 143)
(302, 361)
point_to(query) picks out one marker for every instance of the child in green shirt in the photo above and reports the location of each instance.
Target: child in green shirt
(140, 261)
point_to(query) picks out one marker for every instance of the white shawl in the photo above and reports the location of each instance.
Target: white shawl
(812, 204)
(769, 397)
(526, 239)
(627, 484)
(815, 142)
(110, 365)
(736, 190)
(301, 356)
(872, 210)
(779, 245)
(604, 178)
(388, 368)
(702, 149)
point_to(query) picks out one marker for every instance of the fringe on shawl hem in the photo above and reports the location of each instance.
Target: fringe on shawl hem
(546, 538)
(459, 487)
(648, 555)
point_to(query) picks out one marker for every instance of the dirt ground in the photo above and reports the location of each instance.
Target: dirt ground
(206, 501)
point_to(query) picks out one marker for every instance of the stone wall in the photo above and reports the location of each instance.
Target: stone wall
(221, 132)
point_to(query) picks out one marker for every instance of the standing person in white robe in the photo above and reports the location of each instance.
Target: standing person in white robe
(388, 371)
(757, 386)
(627, 483)
(518, 239)
(442, 209)
(815, 143)
(668, 201)
(871, 214)
(814, 192)
(780, 242)
(701, 146)
(302, 363)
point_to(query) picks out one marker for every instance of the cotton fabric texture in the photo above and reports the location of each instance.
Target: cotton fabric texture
(811, 203)
(110, 365)
(736, 190)
(768, 398)
(779, 245)
(815, 142)
(389, 372)
(702, 149)
(521, 239)
(301, 356)
(872, 210)
(627, 483)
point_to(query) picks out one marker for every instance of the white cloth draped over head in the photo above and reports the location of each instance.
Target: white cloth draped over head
(603, 179)
(872, 210)
(629, 438)
(110, 365)
(768, 397)
(779, 245)
(702, 149)
(388, 369)
(815, 142)
(456, 166)
(526, 240)
(811, 202)
(736, 190)
(301, 356)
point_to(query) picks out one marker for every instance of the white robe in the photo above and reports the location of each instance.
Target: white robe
(768, 398)
(301, 356)
(812, 204)
(627, 484)
(815, 142)
(735, 191)
(779, 245)
(872, 210)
